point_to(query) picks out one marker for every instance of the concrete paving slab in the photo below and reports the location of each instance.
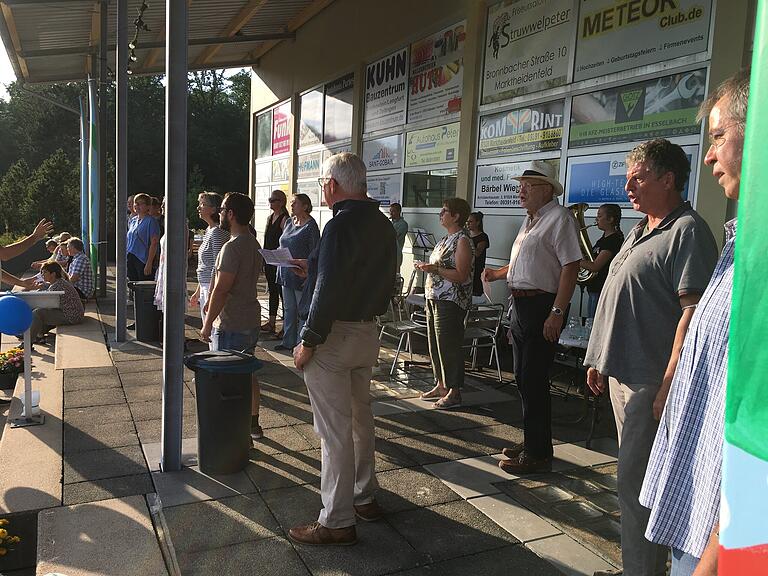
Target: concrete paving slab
(107, 488)
(142, 365)
(606, 446)
(432, 448)
(81, 346)
(278, 440)
(294, 505)
(404, 424)
(227, 521)
(269, 557)
(95, 437)
(470, 477)
(309, 434)
(94, 397)
(568, 556)
(30, 458)
(150, 430)
(493, 439)
(514, 518)
(449, 530)
(588, 457)
(269, 418)
(106, 463)
(93, 415)
(151, 392)
(387, 407)
(508, 412)
(153, 453)
(153, 410)
(99, 538)
(409, 488)
(138, 354)
(379, 550)
(90, 378)
(130, 379)
(510, 560)
(273, 471)
(391, 457)
(190, 485)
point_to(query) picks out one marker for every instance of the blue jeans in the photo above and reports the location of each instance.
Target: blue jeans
(292, 323)
(683, 564)
(240, 341)
(592, 303)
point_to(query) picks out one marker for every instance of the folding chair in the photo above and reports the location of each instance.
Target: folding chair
(482, 326)
(402, 329)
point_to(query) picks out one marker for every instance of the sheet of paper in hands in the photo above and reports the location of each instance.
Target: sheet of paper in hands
(279, 257)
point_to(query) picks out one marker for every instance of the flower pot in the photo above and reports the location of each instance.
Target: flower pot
(8, 380)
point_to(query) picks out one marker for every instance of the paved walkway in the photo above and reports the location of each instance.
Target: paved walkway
(450, 509)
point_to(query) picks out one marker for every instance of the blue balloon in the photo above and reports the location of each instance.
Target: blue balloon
(15, 315)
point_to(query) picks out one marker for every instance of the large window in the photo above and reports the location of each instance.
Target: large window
(430, 188)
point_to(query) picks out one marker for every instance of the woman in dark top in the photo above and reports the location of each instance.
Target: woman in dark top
(608, 219)
(272, 232)
(482, 243)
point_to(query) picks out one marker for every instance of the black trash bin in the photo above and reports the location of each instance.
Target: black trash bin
(223, 395)
(145, 312)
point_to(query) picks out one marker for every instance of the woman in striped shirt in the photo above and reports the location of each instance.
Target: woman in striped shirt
(208, 206)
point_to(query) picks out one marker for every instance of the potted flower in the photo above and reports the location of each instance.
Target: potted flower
(6, 540)
(11, 364)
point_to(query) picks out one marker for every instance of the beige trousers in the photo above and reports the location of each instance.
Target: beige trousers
(338, 379)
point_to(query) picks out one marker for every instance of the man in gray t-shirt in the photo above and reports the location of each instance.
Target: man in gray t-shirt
(653, 285)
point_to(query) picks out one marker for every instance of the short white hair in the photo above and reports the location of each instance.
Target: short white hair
(349, 171)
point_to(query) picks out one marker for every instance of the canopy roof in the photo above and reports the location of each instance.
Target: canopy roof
(55, 40)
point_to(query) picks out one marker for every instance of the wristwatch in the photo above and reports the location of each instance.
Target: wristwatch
(556, 311)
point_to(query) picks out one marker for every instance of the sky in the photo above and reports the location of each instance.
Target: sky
(6, 72)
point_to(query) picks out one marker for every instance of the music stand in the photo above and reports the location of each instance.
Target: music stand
(424, 241)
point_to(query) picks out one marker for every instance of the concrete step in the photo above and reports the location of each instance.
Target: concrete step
(107, 538)
(81, 345)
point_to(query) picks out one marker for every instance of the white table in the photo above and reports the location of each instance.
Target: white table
(43, 299)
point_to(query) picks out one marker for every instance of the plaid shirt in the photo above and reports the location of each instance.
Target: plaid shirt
(82, 266)
(682, 481)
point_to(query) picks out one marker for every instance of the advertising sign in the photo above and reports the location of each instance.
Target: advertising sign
(386, 87)
(281, 129)
(264, 135)
(615, 36)
(385, 188)
(280, 170)
(436, 145)
(659, 108)
(328, 153)
(528, 47)
(495, 188)
(437, 69)
(311, 189)
(383, 153)
(263, 172)
(309, 165)
(600, 179)
(537, 128)
(311, 123)
(338, 109)
(261, 195)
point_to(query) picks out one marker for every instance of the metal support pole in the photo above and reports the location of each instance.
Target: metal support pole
(121, 170)
(175, 291)
(102, 215)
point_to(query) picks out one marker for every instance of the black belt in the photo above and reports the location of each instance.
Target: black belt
(526, 293)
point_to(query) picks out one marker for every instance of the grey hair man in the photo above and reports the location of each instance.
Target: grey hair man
(653, 286)
(682, 482)
(353, 273)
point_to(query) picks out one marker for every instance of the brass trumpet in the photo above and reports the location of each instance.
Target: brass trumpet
(584, 243)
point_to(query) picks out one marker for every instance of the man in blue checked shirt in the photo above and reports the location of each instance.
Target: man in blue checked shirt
(682, 482)
(80, 271)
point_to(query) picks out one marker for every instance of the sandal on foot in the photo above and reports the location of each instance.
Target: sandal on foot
(432, 395)
(268, 327)
(446, 403)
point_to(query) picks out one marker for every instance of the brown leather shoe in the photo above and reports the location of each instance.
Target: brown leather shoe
(513, 453)
(316, 534)
(525, 464)
(369, 512)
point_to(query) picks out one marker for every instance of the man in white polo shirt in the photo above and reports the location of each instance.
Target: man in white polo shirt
(541, 276)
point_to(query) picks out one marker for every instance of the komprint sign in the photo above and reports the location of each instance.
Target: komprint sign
(664, 107)
(616, 35)
(437, 69)
(528, 43)
(536, 128)
(281, 129)
(386, 88)
(436, 145)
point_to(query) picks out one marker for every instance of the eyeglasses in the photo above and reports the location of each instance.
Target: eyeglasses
(718, 138)
(274, 200)
(529, 185)
(323, 181)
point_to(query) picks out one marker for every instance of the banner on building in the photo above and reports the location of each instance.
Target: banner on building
(281, 129)
(536, 128)
(495, 187)
(280, 170)
(338, 109)
(309, 165)
(436, 145)
(437, 72)
(528, 46)
(385, 188)
(660, 108)
(615, 36)
(386, 89)
(600, 179)
(311, 121)
(383, 153)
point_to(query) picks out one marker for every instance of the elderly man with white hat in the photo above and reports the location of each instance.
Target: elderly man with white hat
(541, 276)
